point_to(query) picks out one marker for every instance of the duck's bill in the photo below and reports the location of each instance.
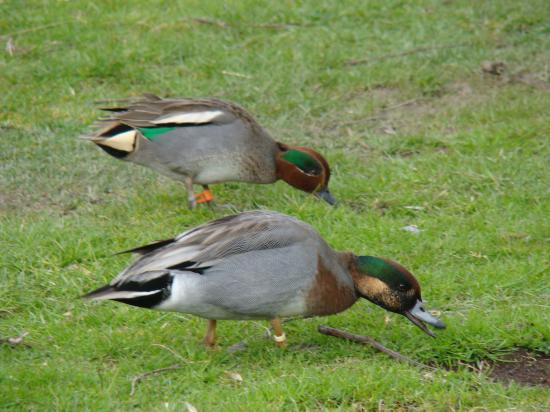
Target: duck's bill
(326, 196)
(420, 316)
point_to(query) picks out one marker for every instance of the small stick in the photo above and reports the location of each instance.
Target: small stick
(403, 53)
(327, 330)
(225, 25)
(30, 30)
(401, 104)
(276, 26)
(228, 73)
(212, 22)
(172, 351)
(138, 378)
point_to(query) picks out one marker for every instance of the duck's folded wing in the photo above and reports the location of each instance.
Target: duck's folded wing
(203, 247)
(153, 111)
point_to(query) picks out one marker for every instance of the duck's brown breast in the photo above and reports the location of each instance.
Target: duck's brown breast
(329, 293)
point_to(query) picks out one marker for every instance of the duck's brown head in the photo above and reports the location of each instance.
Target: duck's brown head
(391, 286)
(304, 169)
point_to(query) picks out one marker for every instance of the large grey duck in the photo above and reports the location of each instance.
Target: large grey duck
(261, 265)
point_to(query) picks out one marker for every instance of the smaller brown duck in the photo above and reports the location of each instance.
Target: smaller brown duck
(206, 141)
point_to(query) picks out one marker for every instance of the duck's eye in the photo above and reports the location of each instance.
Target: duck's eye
(311, 172)
(402, 287)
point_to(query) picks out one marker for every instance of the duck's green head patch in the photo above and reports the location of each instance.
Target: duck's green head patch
(387, 283)
(303, 161)
(389, 272)
(304, 169)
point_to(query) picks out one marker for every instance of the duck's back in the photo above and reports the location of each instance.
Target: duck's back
(208, 140)
(255, 265)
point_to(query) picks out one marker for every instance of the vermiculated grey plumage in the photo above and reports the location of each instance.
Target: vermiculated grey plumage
(255, 265)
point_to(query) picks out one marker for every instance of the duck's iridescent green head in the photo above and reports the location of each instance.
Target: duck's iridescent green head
(391, 286)
(304, 169)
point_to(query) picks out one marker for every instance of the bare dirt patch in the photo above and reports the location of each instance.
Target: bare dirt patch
(523, 367)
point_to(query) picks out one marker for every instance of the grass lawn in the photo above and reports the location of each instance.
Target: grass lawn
(417, 134)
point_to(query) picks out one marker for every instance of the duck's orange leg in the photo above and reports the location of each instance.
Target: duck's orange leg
(278, 335)
(210, 337)
(205, 196)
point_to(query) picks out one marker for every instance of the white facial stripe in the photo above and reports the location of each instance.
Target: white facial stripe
(190, 117)
(122, 141)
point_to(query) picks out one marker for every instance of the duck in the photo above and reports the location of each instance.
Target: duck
(261, 265)
(205, 141)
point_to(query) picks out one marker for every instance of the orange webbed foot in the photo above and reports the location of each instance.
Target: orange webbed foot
(205, 196)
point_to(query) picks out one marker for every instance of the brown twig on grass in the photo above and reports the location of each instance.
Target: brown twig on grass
(327, 330)
(172, 351)
(142, 376)
(30, 30)
(403, 53)
(277, 26)
(235, 74)
(224, 25)
(212, 22)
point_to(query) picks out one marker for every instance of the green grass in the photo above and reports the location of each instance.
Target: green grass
(426, 128)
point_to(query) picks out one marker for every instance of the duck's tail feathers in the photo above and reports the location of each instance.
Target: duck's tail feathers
(143, 250)
(115, 138)
(109, 292)
(146, 289)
